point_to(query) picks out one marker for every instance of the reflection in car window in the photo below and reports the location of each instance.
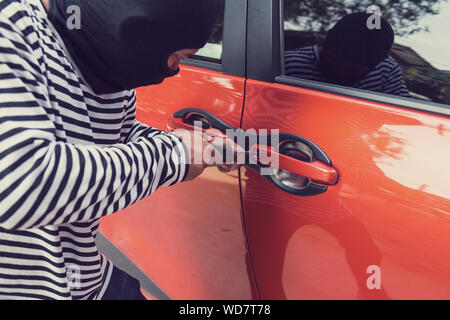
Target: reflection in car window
(417, 64)
(212, 52)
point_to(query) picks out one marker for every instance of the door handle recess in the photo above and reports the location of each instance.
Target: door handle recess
(316, 171)
(306, 175)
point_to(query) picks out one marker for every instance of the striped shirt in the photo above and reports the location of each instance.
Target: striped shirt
(386, 77)
(67, 158)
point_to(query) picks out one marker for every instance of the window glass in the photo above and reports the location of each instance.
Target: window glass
(212, 52)
(345, 42)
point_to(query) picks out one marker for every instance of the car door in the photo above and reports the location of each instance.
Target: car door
(188, 241)
(381, 232)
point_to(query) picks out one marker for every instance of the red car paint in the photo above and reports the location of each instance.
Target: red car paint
(387, 217)
(189, 239)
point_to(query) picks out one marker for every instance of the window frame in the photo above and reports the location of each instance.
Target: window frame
(266, 42)
(233, 60)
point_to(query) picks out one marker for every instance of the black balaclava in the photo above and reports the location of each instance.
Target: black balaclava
(125, 44)
(352, 40)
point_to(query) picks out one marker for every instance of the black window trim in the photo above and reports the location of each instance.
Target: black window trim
(263, 40)
(264, 54)
(234, 42)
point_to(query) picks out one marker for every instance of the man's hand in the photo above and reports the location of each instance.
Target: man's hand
(203, 152)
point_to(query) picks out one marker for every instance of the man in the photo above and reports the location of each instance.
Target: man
(71, 150)
(352, 55)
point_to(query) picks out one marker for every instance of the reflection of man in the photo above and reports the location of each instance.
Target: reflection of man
(352, 55)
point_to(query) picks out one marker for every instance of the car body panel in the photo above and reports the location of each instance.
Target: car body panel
(385, 223)
(388, 215)
(189, 239)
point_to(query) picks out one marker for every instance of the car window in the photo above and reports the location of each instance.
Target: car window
(327, 41)
(212, 52)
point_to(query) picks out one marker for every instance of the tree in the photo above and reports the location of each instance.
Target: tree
(321, 15)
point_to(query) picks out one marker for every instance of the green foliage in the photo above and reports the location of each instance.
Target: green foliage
(321, 15)
(433, 84)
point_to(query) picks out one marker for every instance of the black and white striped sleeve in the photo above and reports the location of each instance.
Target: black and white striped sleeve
(132, 129)
(394, 83)
(47, 182)
(300, 64)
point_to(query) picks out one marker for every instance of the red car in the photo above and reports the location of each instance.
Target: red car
(369, 216)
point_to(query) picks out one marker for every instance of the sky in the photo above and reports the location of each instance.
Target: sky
(434, 46)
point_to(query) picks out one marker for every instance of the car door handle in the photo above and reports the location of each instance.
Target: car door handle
(287, 172)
